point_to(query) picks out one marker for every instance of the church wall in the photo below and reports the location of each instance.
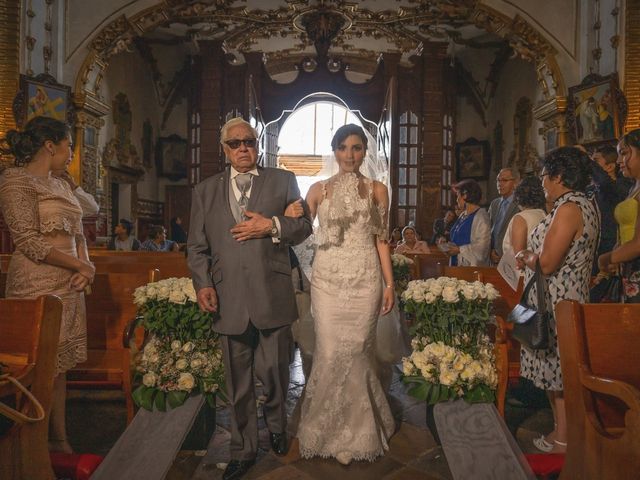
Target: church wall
(127, 73)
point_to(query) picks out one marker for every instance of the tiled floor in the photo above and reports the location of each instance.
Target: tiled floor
(412, 455)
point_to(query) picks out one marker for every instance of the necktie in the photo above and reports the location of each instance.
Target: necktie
(243, 182)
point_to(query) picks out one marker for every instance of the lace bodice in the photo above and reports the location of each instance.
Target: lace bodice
(35, 206)
(349, 214)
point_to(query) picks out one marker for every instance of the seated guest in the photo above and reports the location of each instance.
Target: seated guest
(123, 240)
(410, 242)
(396, 237)
(157, 241)
(530, 199)
(471, 234)
(442, 227)
(177, 232)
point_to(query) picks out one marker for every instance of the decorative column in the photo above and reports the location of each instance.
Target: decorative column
(430, 173)
(632, 64)
(212, 157)
(553, 114)
(10, 64)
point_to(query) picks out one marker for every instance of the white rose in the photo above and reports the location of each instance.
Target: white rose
(407, 367)
(152, 292)
(154, 358)
(188, 347)
(181, 364)
(176, 296)
(176, 345)
(163, 293)
(149, 379)
(469, 292)
(450, 294)
(195, 363)
(186, 381)
(492, 293)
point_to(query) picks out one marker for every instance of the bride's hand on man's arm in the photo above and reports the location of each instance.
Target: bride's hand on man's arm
(294, 209)
(388, 299)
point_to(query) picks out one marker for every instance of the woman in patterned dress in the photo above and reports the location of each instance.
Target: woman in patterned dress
(45, 220)
(564, 244)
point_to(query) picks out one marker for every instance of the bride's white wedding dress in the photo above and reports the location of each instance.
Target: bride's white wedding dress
(345, 410)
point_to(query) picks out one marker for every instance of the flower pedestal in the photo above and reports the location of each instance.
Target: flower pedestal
(202, 429)
(431, 424)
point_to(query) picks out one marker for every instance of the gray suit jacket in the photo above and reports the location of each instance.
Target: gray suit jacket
(253, 278)
(493, 213)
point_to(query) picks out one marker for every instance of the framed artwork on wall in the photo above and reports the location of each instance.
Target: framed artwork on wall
(42, 96)
(596, 110)
(171, 157)
(472, 159)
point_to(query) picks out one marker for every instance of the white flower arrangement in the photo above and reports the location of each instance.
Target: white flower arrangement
(452, 355)
(183, 355)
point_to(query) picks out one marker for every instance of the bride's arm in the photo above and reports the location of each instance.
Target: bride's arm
(381, 197)
(314, 198)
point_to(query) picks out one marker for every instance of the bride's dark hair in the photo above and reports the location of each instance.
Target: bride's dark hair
(345, 131)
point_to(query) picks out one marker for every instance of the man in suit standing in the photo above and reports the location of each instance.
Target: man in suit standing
(238, 253)
(502, 209)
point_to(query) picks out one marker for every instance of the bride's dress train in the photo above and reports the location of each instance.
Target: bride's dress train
(344, 410)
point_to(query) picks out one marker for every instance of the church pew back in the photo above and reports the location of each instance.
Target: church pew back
(599, 345)
(29, 332)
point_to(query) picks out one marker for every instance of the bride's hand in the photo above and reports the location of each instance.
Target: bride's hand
(388, 299)
(294, 209)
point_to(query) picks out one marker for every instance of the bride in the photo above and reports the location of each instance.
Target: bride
(344, 412)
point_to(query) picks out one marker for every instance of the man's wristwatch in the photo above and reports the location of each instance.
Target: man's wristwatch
(274, 228)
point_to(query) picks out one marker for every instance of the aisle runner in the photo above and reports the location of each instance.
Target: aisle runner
(478, 444)
(148, 446)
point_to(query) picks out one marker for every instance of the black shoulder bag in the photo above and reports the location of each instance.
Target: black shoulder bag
(531, 324)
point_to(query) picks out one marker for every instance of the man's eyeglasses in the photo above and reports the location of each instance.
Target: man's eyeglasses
(234, 144)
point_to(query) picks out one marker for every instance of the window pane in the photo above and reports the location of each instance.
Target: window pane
(444, 177)
(402, 196)
(402, 176)
(413, 176)
(403, 156)
(412, 197)
(414, 135)
(443, 197)
(412, 215)
(403, 134)
(414, 118)
(413, 156)
(402, 219)
(403, 118)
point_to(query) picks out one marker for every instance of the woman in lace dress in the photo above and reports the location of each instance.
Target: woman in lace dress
(45, 220)
(345, 413)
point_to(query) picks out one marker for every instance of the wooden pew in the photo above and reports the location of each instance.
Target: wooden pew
(29, 332)
(110, 308)
(599, 345)
(426, 265)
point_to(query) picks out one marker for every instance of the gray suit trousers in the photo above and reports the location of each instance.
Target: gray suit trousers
(268, 353)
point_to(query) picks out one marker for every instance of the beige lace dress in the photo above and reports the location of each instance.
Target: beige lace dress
(345, 408)
(41, 213)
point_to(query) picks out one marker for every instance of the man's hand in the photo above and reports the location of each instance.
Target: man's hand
(256, 226)
(495, 258)
(207, 299)
(294, 209)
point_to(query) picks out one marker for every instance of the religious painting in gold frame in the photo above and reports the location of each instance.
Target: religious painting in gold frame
(42, 96)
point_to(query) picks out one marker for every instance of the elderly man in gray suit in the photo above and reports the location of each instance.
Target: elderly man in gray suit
(238, 253)
(502, 209)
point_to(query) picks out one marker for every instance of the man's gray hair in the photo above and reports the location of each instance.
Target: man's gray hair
(232, 123)
(514, 173)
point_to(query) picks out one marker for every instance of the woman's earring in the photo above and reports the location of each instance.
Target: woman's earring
(52, 153)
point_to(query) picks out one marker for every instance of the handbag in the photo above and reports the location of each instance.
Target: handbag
(613, 293)
(531, 324)
(16, 415)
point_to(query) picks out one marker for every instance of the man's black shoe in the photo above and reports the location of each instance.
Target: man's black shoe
(237, 468)
(279, 443)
